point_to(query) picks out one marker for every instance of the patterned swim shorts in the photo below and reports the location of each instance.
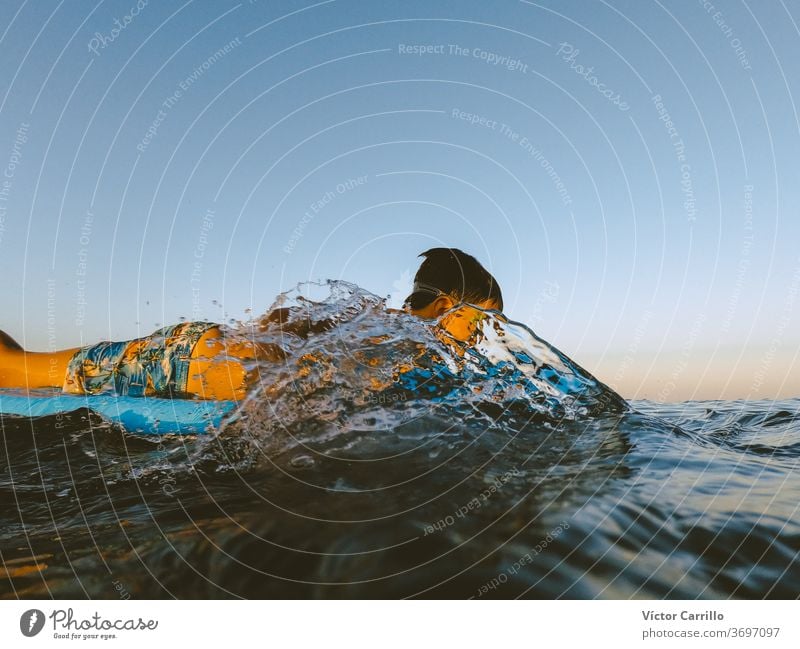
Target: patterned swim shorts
(154, 365)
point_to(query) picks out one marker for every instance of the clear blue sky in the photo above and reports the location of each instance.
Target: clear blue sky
(167, 160)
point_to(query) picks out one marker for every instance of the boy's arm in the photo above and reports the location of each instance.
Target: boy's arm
(28, 370)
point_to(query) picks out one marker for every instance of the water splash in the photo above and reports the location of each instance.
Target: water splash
(346, 363)
(377, 456)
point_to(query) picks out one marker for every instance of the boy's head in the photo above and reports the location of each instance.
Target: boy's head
(448, 277)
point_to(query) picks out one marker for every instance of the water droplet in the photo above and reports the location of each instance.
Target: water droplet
(302, 461)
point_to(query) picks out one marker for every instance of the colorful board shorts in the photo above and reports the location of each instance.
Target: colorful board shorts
(154, 365)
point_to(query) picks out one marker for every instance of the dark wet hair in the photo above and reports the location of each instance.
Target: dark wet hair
(8, 341)
(454, 273)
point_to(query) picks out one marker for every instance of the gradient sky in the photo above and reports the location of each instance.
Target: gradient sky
(207, 155)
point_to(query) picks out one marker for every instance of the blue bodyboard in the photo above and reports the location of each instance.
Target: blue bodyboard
(143, 415)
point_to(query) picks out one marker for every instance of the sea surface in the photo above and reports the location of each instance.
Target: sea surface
(375, 457)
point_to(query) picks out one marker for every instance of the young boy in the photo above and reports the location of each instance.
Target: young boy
(448, 278)
(196, 359)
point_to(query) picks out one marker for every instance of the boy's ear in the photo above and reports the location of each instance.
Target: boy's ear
(442, 304)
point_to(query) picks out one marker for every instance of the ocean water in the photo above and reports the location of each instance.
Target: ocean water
(376, 457)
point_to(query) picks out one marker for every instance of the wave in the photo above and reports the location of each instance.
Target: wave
(377, 456)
